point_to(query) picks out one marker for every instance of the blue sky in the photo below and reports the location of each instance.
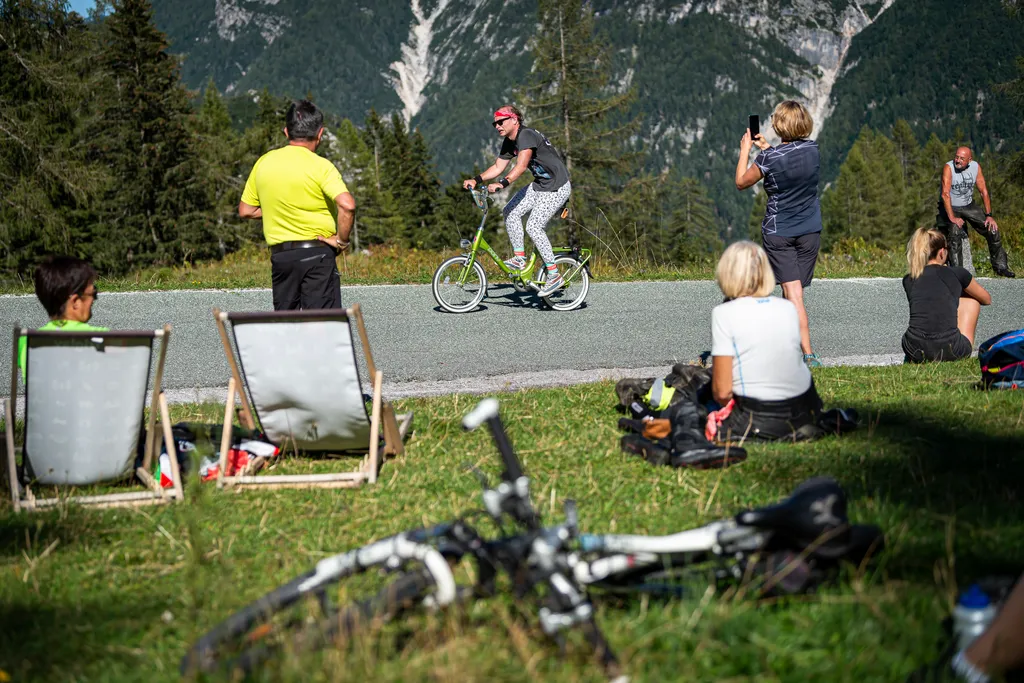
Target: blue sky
(82, 6)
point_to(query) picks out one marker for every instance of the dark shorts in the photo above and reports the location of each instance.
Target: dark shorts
(305, 279)
(793, 258)
(795, 418)
(929, 350)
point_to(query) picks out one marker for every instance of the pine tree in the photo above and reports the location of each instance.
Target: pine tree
(46, 181)
(569, 100)
(631, 228)
(926, 179)
(456, 217)
(378, 217)
(907, 148)
(867, 200)
(406, 167)
(694, 225)
(155, 211)
(222, 174)
(267, 129)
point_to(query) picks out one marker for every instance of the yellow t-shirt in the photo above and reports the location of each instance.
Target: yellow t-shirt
(296, 189)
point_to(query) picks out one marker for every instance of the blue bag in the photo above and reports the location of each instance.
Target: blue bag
(1002, 360)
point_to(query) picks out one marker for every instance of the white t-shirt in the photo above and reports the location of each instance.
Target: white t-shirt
(763, 337)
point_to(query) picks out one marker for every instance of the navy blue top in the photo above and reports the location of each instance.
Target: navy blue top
(791, 183)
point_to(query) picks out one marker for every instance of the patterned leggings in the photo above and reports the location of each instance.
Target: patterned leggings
(542, 206)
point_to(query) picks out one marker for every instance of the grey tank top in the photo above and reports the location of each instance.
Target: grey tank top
(961, 190)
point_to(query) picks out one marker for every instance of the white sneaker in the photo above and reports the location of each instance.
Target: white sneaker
(516, 263)
(555, 282)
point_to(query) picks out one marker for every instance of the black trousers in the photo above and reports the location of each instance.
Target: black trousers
(305, 279)
(795, 418)
(974, 216)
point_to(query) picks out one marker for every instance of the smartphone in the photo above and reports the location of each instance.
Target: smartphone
(755, 126)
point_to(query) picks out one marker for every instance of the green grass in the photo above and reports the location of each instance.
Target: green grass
(118, 595)
(388, 264)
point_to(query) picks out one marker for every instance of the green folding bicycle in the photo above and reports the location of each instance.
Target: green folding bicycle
(460, 283)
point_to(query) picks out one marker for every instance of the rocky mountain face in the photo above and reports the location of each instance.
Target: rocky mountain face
(699, 67)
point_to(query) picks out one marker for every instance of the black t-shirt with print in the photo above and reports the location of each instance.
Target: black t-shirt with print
(549, 173)
(934, 298)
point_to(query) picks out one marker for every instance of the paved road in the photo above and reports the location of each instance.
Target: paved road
(510, 342)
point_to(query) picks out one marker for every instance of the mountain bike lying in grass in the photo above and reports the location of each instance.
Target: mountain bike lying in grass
(784, 548)
(460, 283)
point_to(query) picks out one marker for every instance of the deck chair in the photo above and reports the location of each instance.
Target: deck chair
(296, 376)
(84, 398)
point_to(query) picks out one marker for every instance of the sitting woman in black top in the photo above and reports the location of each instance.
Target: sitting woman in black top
(944, 302)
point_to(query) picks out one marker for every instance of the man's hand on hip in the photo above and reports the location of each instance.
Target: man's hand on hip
(334, 241)
(958, 222)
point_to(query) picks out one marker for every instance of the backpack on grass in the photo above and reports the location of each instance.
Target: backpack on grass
(1002, 361)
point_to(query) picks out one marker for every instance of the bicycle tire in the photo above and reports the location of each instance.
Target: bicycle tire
(445, 291)
(574, 293)
(202, 655)
(206, 655)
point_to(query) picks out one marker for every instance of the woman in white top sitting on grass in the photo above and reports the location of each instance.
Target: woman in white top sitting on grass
(759, 375)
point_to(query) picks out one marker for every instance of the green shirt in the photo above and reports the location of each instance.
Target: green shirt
(64, 325)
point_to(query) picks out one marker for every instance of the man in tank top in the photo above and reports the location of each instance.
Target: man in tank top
(957, 210)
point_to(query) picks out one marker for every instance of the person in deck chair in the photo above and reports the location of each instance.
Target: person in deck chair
(66, 287)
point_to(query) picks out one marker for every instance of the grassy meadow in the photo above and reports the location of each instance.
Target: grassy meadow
(937, 463)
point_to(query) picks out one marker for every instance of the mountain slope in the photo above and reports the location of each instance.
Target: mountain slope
(699, 67)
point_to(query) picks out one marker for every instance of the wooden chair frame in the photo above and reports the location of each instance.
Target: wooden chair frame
(22, 496)
(382, 418)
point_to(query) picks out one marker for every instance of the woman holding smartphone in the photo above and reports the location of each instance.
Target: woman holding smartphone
(791, 229)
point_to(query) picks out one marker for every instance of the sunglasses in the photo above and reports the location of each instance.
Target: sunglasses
(95, 294)
(501, 121)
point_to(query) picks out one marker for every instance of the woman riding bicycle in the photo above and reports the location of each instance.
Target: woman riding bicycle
(542, 198)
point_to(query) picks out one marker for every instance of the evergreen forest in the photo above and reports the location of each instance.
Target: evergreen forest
(107, 155)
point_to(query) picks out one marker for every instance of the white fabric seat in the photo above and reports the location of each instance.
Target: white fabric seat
(298, 372)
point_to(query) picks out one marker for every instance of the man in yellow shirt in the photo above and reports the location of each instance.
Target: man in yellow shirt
(307, 213)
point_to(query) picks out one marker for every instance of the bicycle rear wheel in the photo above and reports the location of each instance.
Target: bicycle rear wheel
(574, 293)
(249, 637)
(454, 293)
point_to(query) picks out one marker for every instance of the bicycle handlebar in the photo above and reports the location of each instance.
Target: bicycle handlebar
(484, 410)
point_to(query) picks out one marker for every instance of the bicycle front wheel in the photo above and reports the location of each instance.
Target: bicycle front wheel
(457, 286)
(250, 638)
(577, 284)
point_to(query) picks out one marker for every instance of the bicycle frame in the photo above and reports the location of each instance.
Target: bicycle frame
(581, 255)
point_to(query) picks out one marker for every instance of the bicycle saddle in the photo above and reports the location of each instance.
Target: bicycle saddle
(813, 515)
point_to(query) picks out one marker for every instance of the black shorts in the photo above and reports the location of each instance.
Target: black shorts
(793, 258)
(927, 350)
(305, 279)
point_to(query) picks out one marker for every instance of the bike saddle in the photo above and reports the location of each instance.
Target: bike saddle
(813, 515)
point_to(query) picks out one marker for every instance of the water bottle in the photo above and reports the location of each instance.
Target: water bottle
(972, 615)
